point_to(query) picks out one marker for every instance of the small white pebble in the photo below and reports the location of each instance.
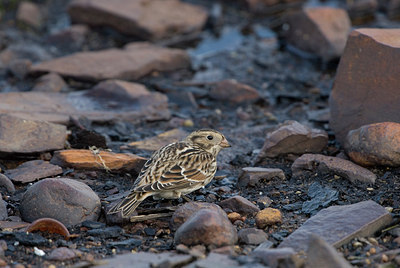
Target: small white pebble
(16, 243)
(389, 209)
(39, 252)
(260, 193)
(370, 189)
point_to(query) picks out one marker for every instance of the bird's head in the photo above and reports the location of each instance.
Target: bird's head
(208, 139)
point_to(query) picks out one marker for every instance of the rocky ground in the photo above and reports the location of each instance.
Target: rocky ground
(90, 88)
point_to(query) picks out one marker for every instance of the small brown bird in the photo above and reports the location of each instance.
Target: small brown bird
(176, 169)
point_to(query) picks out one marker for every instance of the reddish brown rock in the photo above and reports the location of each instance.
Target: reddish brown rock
(51, 82)
(321, 31)
(268, 216)
(183, 213)
(26, 136)
(293, 138)
(325, 164)
(251, 176)
(362, 93)
(155, 143)
(29, 13)
(109, 100)
(234, 92)
(337, 225)
(374, 144)
(103, 160)
(66, 200)
(206, 227)
(33, 170)
(49, 225)
(132, 62)
(148, 19)
(240, 205)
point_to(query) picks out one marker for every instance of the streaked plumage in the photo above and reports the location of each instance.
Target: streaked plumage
(176, 169)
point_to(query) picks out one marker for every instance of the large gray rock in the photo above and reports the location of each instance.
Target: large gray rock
(148, 19)
(132, 62)
(27, 136)
(69, 201)
(337, 225)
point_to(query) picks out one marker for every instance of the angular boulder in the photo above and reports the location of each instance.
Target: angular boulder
(366, 87)
(291, 137)
(321, 31)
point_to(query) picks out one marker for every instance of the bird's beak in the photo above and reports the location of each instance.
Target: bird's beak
(224, 143)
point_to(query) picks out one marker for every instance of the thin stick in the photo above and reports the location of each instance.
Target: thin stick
(150, 216)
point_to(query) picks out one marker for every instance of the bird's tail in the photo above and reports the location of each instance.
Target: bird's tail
(128, 205)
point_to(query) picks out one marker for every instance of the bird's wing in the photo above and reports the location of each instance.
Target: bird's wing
(187, 168)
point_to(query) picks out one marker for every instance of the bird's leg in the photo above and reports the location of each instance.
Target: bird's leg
(187, 199)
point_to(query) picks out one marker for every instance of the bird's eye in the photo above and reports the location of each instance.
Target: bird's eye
(209, 137)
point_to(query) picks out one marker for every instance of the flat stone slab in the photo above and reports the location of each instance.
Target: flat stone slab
(336, 165)
(33, 170)
(148, 19)
(337, 225)
(27, 136)
(107, 101)
(366, 88)
(155, 143)
(145, 260)
(132, 62)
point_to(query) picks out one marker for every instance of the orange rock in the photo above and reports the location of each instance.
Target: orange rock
(103, 160)
(234, 216)
(268, 216)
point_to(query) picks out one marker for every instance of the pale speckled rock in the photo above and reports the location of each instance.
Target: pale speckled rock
(374, 144)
